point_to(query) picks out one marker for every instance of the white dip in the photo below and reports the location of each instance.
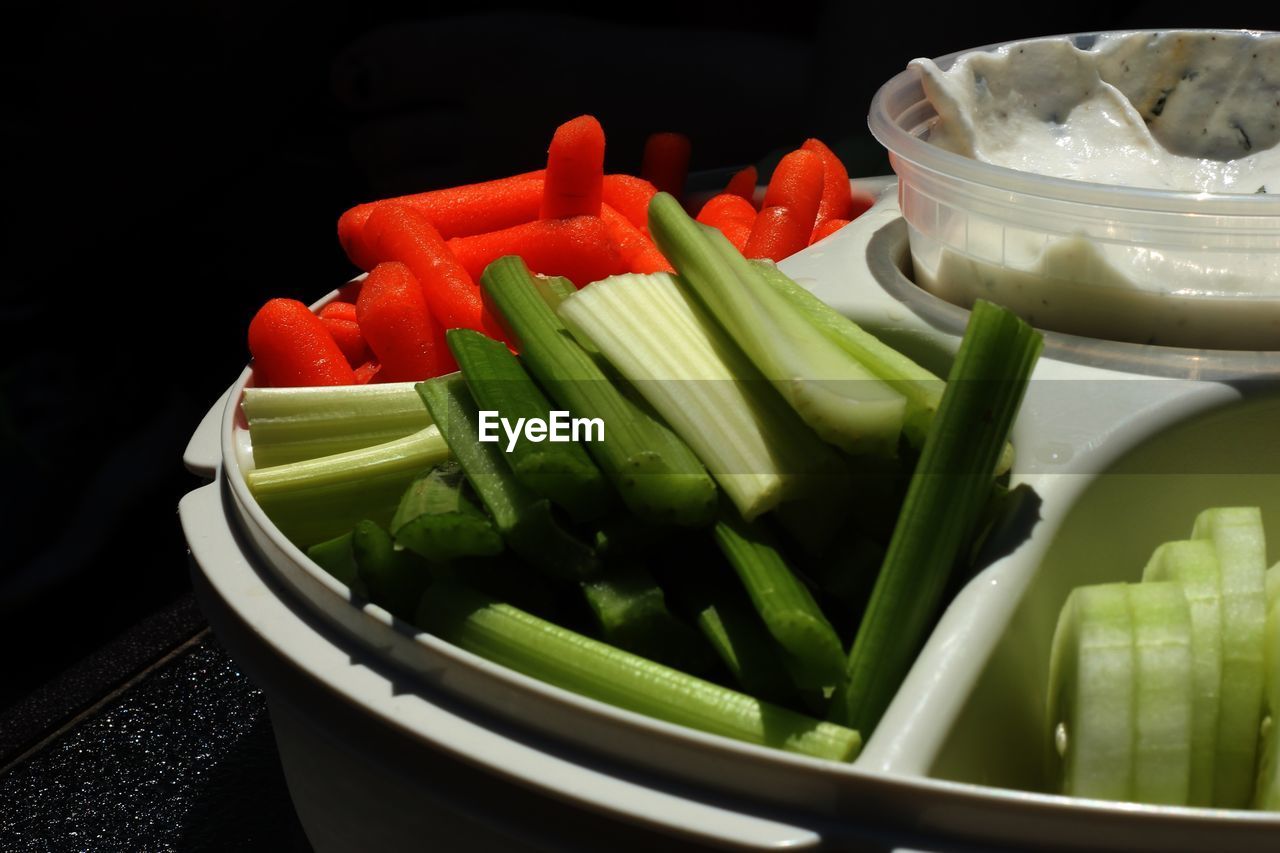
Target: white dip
(1188, 111)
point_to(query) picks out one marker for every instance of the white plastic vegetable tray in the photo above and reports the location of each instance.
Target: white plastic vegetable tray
(393, 740)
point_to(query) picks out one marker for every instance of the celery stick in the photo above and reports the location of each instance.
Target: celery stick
(554, 289)
(291, 424)
(631, 612)
(1267, 790)
(811, 649)
(527, 644)
(438, 520)
(948, 491)
(338, 559)
(844, 402)
(318, 499)
(758, 450)
(562, 472)
(524, 520)
(623, 533)
(395, 578)
(734, 629)
(656, 474)
(1240, 543)
(922, 389)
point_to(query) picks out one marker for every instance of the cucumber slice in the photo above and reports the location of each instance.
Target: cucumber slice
(1238, 538)
(1194, 565)
(1267, 793)
(1163, 703)
(1091, 699)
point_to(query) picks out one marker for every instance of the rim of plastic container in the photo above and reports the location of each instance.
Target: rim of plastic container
(902, 143)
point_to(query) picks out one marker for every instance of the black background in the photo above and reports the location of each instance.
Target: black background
(169, 166)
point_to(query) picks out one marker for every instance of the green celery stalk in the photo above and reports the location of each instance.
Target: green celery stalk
(921, 388)
(631, 612)
(292, 424)
(562, 472)
(318, 499)
(811, 649)
(656, 474)
(337, 558)
(554, 289)
(755, 446)
(527, 644)
(946, 497)
(394, 577)
(524, 520)
(844, 402)
(438, 520)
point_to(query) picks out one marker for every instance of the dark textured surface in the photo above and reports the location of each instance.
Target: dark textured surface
(183, 760)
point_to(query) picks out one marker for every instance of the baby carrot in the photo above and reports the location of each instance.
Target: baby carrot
(396, 322)
(575, 170)
(666, 162)
(732, 214)
(743, 183)
(837, 199)
(577, 248)
(367, 371)
(826, 228)
(630, 196)
(638, 252)
(454, 211)
(338, 310)
(346, 334)
(291, 347)
(399, 233)
(777, 233)
(797, 185)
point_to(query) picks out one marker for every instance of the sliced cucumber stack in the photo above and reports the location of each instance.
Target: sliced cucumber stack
(1160, 692)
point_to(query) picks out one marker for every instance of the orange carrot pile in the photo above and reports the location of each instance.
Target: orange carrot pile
(426, 251)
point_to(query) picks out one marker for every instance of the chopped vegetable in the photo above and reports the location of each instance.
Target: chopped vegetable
(438, 518)
(777, 233)
(811, 650)
(666, 162)
(292, 347)
(630, 196)
(1240, 544)
(949, 487)
(575, 170)
(395, 232)
(631, 612)
(732, 215)
(839, 398)
(291, 424)
(837, 199)
(657, 475)
(826, 228)
(527, 644)
(524, 520)
(578, 248)
(453, 212)
(317, 499)
(337, 557)
(743, 184)
(1193, 565)
(638, 252)
(560, 471)
(921, 389)
(701, 385)
(797, 185)
(395, 578)
(393, 314)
